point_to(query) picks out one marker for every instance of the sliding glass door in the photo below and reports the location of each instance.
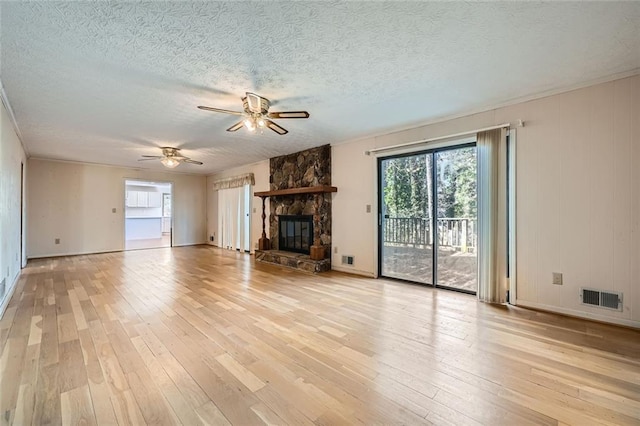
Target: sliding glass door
(428, 218)
(406, 245)
(456, 207)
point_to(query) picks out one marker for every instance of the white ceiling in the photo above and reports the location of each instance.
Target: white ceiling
(107, 82)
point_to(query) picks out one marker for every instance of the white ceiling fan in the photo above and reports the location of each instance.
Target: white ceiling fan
(170, 158)
(257, 116)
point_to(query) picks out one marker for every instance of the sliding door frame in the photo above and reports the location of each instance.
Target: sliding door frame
(511, 224)
(434, 219)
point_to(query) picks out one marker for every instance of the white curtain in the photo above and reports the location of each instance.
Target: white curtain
(492, 216)
(234, 218)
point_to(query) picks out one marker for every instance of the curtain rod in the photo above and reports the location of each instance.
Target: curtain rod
(403, 145)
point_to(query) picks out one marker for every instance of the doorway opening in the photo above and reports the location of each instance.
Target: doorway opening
(148, 215)
(428, 217)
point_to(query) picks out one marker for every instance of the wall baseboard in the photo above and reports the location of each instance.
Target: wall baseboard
(9, 294)
(353, 271)
(578, 314)
(82, 253)
(204, 243)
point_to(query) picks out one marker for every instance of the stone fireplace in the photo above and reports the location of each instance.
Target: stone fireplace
(300, 204)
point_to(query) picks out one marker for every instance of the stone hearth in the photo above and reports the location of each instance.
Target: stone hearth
(293, 260)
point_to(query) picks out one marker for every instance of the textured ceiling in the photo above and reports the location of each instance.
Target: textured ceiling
(107, 82)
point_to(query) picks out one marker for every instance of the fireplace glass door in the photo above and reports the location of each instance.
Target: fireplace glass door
(296, 233)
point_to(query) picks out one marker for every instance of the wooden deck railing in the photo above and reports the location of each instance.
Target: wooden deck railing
(459, 233)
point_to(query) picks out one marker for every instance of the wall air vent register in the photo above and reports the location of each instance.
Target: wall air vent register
(601, 298)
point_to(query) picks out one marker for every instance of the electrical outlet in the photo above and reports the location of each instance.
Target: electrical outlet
(57, 240)
(254, 210)
(556, 278)
(335, 250)
(368, 208)
(113, 210)
(256, 246)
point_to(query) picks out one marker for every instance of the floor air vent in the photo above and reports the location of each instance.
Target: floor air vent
(603, 299)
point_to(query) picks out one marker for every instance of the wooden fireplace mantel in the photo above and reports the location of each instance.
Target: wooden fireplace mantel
(317, 251)
(320, 189)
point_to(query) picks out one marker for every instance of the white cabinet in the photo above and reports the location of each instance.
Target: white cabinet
(143, 228)
(143, 199)
(155, 199)
(131, 199)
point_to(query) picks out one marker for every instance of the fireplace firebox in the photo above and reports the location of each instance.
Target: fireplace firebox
(295, 233)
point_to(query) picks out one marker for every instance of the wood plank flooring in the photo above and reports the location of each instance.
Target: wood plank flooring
(198, 335)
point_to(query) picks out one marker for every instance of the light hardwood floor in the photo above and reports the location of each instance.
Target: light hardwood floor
(197, 335)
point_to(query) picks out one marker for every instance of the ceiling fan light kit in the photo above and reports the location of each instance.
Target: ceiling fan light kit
(170, 158)
(169, 162)
(254, 123)
(257, 116)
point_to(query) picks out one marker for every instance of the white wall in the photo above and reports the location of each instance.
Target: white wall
(261, 173)
(74, 201)
(353, 231)
(578, 195)
(11, 156)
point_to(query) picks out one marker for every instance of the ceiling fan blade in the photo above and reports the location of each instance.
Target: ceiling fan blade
(152, 156)
(190, 161)
(149, 159)
(289, 114)
(273, 126)
(236, 126)
(224, 111)
(254, 102)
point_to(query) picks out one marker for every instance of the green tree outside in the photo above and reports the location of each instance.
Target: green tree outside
(407, 185)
